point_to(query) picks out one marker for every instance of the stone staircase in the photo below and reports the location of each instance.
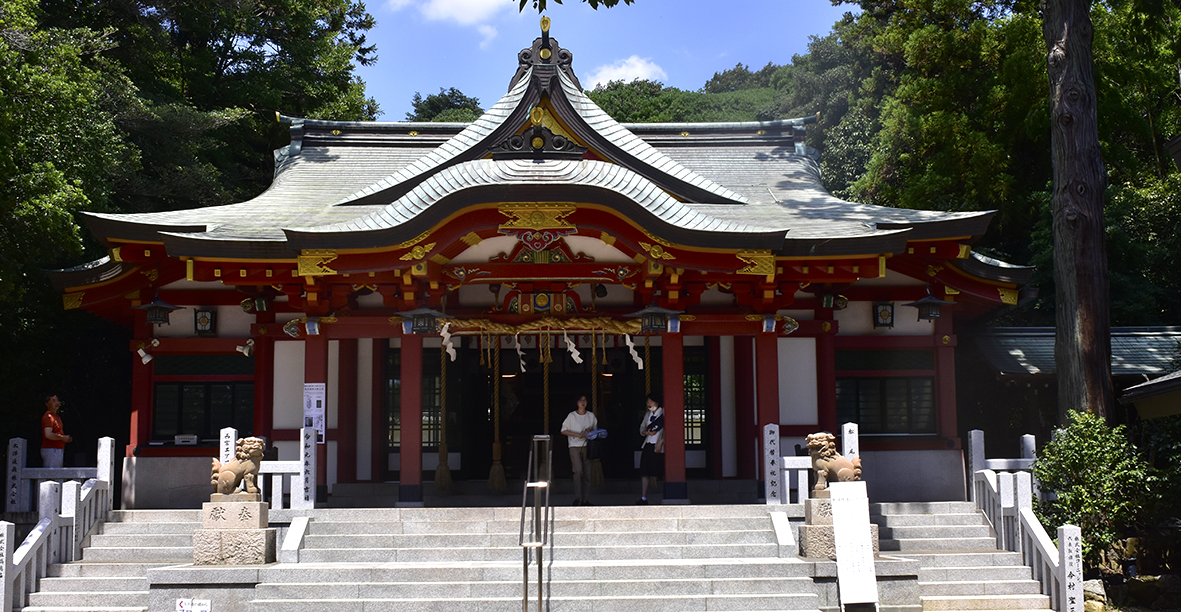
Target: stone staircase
(112, 575)
(960, 565)
(602, 558)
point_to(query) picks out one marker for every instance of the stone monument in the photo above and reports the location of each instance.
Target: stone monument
(817, 540)
(234, 521)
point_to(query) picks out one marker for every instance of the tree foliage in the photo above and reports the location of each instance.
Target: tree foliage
(644, 101)
(447, 105)
(1095, 480)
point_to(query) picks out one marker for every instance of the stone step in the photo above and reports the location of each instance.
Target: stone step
(476, 553)
(101, 583)
(176, 554)
(975, 572)
(945, 603)
(982, 544)
(141, 540)
(608, 525)
(943, 507)
(559, 513)
(906, 520)
(90, 599)
(981, 587)
(935, 559)
(624, 569)
(449, 540)
(512, 588)
(149, 527)
(935, 532)
(101, 569)
(154, 516)
(84, 609)
(692, 603)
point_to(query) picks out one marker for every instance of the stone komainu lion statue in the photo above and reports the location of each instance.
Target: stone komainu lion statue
(828, 463)
(242, 470)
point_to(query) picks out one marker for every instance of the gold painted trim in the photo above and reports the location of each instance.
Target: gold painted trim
(116, 255)
(760, 262)
(658, 239)
(472, 239)
(314, 262)
(413, 241)
(188, 269)
(439, 259)
(72, 301)
(965, 250)
(1008, 296)
(537, 215)
(607, 239)
(656, 251)
(418, 252)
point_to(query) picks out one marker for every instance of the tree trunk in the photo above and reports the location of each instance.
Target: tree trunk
(1082, 344)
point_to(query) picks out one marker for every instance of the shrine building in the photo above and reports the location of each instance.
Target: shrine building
(444, 292)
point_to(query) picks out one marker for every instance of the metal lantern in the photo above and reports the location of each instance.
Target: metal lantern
(929, 307)
(883, 314)
(158, 311)
(205, 322)
(424, 320)
(654, 319)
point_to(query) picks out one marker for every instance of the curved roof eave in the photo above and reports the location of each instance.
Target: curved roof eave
(994, 269)
(113, 228)
(524, 180)
(972, 224)
(879, 242)
(89, 273)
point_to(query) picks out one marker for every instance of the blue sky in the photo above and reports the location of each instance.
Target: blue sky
(472, 45)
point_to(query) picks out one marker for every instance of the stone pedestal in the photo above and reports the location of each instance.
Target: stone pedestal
(816, 534)
(234, 531)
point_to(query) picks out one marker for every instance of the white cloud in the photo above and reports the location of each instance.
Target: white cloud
(488, 32)
(463, 12)
(397, 5)
(630, 69)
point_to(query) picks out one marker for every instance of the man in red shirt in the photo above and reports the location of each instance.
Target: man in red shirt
(53, 438)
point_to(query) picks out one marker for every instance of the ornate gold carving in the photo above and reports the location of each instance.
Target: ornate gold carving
(545, 54)
(1008, 296)
(395, 320)
(684, 318)
(536, 114)
(536, 216)
(934, 269)
(881, 266)
(413, 241)
(414, 132)
(439, 259)
(418, 252)
(336, 132)
(684, 133)
(116, 254)
(655, 268)
(472, 239)
(826, 327)
(152, 275)
(965, 250)
(71, 301)
(607, 239)
(314, 262)
(188, 269)
(656, 238)
(760, 262)
(761, 132)
(754, 317)
(946, 340)
(655, 251)
(951, 291)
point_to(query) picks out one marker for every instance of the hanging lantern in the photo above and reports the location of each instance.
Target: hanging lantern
(423, 320)
(883, 314)
(158, 311)
(929, 307)
(654, 319)
(205, 322)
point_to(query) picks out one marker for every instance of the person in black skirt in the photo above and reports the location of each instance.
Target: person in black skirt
(652, 456)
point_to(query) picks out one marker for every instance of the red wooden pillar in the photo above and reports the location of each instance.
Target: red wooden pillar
(264, 381)
(346, 411)
(141, 389)
(744, 406)
(713, 414)
(826, 377)
(672, 348)
(767, 381)
(315, 370)
(410, 453)
(945, 380)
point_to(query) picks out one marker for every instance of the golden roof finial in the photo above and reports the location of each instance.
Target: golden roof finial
(545, 24)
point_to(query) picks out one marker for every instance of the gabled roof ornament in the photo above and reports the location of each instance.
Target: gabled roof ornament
(546, 55)
(537, 142)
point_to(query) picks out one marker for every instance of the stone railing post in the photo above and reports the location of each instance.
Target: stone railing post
(1028, 446)
(71, 509)
(8, 546)
(975, 459)
(850, 447)
(106, 468)
(18, 494)
(304, 496)
(50, 495)
(1070, 568)
(772, 474)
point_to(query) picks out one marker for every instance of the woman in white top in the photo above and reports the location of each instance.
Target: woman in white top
(652, 456)
(577, 424)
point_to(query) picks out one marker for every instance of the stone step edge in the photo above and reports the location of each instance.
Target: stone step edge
(336, 565)
(946, 598)
(84, 609)
(517, 582)
(437, 600)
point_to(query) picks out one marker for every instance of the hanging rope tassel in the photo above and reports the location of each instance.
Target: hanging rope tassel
(596, 466)
(443, 472)
(496, 481)
(545, 379)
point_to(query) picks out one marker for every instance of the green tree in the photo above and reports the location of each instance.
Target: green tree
(643, 101)
(740, 77)
(450, 103)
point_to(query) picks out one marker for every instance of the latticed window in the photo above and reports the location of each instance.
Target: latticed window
(696, 396)
(431, 392)
(887, 405)
(201, 394)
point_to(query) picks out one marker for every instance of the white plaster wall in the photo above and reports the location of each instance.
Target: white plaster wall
(478, 296)
(715, 297)
(365, 356)
(797, 381)
(288, 391)
(180, 324)
(488, 248)
(332, 414)
(372, 300)
(694, 341)
(858, 319)
(729, 411)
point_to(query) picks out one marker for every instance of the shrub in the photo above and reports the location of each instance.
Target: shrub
(1094, 478)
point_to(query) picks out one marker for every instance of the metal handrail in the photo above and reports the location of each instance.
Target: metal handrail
(538, 478)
